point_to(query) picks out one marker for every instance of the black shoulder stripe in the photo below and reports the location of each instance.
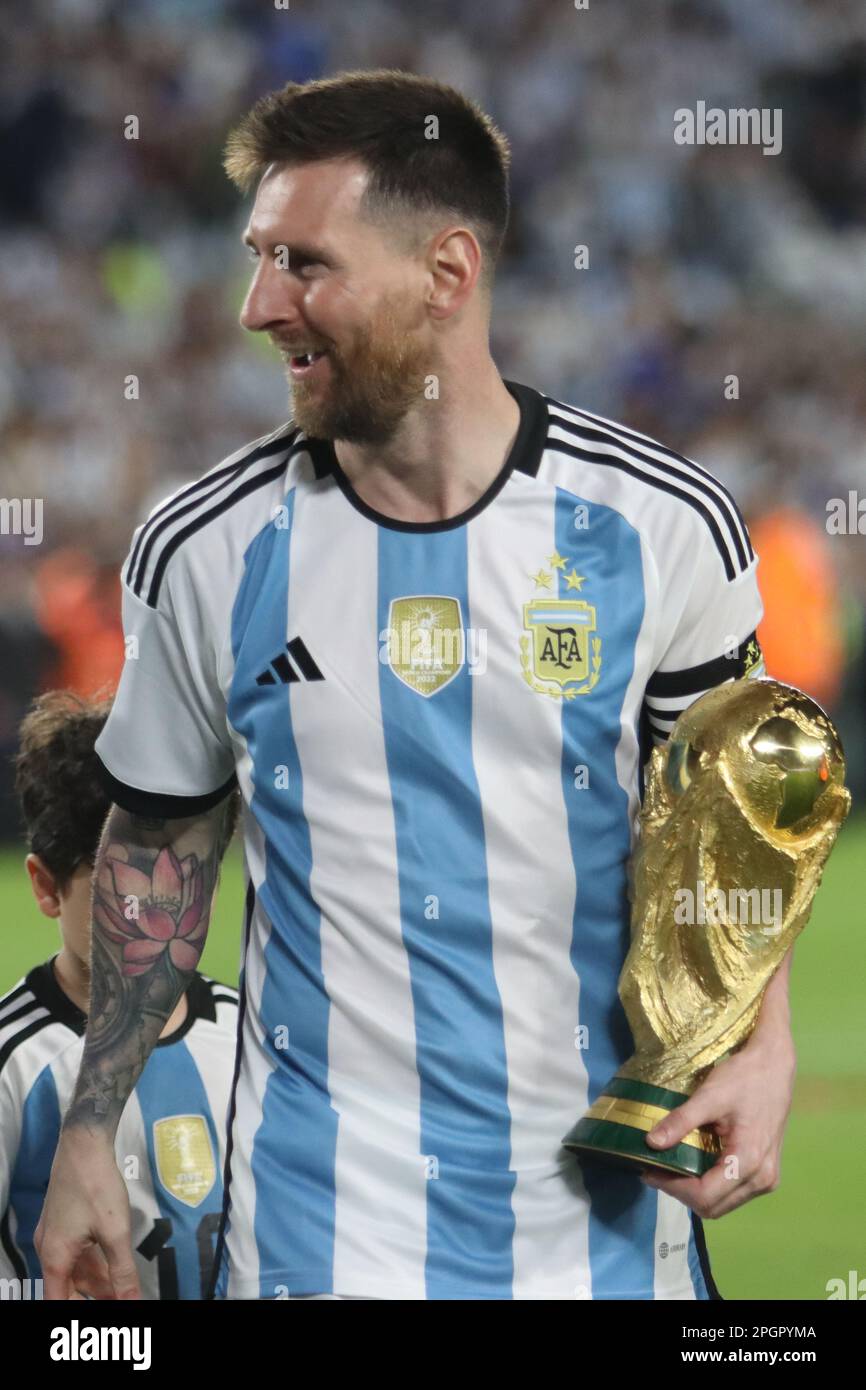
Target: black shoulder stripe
(14, 995)
(644, 445)
(694, 679)
(177, 508)
(171, 545)
(681, 469)
(200, 489)
(11, 1043)
(154, 524)
(226, 999)
(659, 483)
(697, 480)
(24, 1008)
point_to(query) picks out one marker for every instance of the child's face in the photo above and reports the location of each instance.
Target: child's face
(71, 905)
(75, 914)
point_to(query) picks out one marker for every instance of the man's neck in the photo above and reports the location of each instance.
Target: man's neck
(445, 454)
(72, 977)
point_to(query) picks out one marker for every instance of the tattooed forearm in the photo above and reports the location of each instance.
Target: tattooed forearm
(152, 890)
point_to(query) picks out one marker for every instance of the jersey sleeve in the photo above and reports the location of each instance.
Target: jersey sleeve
(165, 749)
(713, 640)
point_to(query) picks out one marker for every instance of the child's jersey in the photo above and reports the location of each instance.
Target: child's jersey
(170, 1142)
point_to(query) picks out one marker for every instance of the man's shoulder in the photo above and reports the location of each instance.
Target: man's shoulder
(664, 494)
(224, 505)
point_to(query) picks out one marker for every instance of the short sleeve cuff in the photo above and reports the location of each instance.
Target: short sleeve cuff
(159, 805)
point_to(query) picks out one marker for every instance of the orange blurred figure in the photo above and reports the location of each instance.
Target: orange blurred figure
(78, 606)
(801, 632)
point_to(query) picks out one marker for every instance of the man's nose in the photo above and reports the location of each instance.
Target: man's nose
(271, 298)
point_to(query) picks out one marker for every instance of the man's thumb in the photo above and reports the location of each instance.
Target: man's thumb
(680, 1122)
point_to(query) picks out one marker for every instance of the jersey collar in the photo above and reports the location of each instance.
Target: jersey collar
(523, 457)
(46, 989)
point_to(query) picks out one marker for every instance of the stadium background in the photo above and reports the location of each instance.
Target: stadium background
(121, 257)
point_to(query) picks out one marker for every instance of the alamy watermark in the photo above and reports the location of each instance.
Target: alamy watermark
(846, 516)
(714, 907)
(739, 125)
(77, 1343)
(22, 516)
(20, 1290)
(421, 647)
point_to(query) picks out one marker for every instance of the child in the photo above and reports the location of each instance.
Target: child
(171, 1140)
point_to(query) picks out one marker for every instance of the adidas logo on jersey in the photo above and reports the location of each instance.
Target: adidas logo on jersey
(285, 671)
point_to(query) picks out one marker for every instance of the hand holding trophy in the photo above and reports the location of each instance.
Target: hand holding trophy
(742, 807)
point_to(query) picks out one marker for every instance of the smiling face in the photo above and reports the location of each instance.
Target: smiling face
(342, 300)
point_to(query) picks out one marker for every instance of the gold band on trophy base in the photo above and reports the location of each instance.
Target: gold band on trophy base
(615, 1124)
(742, 807)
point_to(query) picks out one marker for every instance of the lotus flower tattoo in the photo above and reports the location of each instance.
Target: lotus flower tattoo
(169, 916)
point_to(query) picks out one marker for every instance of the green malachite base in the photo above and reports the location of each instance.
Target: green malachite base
(615, 1126)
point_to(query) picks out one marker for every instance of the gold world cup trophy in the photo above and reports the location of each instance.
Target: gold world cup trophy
(742, 808)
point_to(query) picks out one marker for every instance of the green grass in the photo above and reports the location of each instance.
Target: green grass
(813, 1227)
(785, 1245)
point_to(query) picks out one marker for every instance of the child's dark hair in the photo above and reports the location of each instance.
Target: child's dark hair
(63, 803)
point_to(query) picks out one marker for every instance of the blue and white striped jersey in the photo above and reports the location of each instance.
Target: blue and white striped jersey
(438, 731)
(170, 1143)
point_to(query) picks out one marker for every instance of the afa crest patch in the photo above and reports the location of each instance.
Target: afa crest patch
(560, 647)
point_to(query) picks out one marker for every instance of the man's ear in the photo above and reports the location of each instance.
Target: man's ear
(44, 885)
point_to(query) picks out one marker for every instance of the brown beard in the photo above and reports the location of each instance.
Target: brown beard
(373, 384)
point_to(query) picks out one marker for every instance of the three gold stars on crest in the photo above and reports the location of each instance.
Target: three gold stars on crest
(543, 580)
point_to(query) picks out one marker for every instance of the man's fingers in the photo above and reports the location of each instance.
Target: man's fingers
(91, 1274)
(735, 1177)
(58, 1261)
(753, 1180)
(700, 1194)
(121, 1268)
(685, 1189)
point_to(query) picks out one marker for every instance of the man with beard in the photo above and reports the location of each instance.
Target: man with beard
(429, 626)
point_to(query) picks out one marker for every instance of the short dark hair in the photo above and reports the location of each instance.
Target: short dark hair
(381, 118)
(63, 803)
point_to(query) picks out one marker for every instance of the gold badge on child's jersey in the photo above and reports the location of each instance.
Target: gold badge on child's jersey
(560, 649)
(425, 641)
(185, 1161)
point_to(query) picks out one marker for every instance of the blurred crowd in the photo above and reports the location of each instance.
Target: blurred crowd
(723, 307)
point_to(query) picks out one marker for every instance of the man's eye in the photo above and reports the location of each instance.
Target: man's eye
(302, 265)
(252, 254)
